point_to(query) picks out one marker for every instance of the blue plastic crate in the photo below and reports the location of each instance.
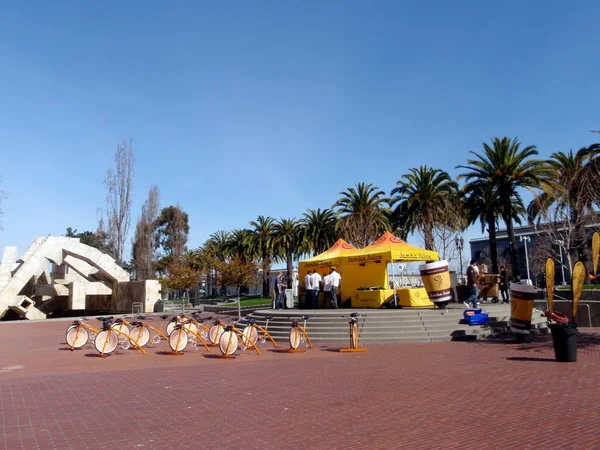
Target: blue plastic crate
(475, 317)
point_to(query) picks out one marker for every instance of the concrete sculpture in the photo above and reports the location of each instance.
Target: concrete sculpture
(58, 272)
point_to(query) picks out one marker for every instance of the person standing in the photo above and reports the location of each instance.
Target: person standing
(308, 287)
(315, 280)
(472, 274)
(335, 280)
(504, 284)
(326, 289)
(279, 291)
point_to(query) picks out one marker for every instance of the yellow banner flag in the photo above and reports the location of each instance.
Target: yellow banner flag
(550, 283)
(595, 251)
(577, 282)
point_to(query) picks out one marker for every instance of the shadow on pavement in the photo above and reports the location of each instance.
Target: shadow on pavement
(525, 358)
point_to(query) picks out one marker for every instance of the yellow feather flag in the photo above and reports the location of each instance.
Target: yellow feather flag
(550, 283)
(577, 282)
(595, 251)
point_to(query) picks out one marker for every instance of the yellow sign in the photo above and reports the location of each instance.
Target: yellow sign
(521, 307)
(550, 283)
(577, 284)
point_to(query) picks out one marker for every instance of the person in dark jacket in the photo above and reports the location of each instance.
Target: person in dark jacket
(504, 284)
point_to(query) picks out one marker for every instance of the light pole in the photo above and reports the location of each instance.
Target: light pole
(460, 242)
(526, 239)
(562, 266)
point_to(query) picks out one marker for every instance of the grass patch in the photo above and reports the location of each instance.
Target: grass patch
(251, 302)
(586, 287)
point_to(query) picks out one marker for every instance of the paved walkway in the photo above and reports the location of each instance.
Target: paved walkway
(440, 395)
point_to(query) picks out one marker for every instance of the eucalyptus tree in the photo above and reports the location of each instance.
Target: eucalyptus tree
(422, 197)
(361, 213)
(508, 169)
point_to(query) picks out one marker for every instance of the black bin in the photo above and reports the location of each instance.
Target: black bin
(564, 339)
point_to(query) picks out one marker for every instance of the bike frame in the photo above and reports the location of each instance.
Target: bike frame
(353, 332)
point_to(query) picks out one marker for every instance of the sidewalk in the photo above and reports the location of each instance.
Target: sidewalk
(438, 395)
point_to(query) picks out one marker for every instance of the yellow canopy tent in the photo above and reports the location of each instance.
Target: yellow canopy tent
(330, 257)
(387, 249)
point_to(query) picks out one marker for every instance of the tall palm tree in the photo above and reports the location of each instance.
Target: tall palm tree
(482, 204)
(239, 245)
(288, 242)
(570, 187)
(217, 243)
(319, 230)
(361, 214)
(507, 168)
(263, 240)
(422, 196)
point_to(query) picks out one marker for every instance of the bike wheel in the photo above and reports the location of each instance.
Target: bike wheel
(106, 341)
(178, 340)
(250, 334)
(76, 337)
(156, 338)
(170, 328)
(141, 334)
(228, 342)
(123, 331)
(354, 336)
(295, 337)
(214, 333)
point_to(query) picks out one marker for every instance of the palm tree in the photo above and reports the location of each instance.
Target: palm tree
(288, 241)
(239, 245)
(263, 239)
(507, 169)
(361, 214)
(482, 203)
(422, 196)
(217, 243)
(319, 230)
(570, 189)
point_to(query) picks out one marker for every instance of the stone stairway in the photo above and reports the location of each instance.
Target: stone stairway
(392, 325)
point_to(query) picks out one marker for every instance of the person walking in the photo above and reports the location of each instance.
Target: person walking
(308, 287)
(472, 274)
(315, 279)
(335, 280)
(504, 284)
(326, 289)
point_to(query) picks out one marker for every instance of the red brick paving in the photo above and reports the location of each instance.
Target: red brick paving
(492, 395)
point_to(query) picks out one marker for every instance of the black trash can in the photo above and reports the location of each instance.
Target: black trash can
(159, 306)
(564, 339)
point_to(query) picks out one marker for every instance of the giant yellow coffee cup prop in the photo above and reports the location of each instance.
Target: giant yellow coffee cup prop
(436, 280)
(521, 307)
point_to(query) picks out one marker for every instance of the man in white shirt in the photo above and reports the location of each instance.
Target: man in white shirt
(326, 289)
(315, 280)
(335, 280)
(308, 288)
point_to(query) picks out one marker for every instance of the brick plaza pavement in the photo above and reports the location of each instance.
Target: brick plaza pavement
(492, 395)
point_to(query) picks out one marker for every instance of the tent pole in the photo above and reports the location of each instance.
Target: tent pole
(394, 286)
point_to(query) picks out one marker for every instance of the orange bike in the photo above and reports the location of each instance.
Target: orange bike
(353, 322)
(182, 334)
(215, 331)
(299, 335)
(79, 333)
(195, 323)
(229, 341)
(108, 339)
(252, 331)
(141, 332)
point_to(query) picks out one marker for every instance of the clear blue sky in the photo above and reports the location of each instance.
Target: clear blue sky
(244, 108)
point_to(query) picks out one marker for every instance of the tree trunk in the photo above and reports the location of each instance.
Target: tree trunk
(428, 235)
(514, 257)
(493, 244)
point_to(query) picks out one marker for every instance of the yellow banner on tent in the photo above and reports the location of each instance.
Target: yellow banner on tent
(389, 248)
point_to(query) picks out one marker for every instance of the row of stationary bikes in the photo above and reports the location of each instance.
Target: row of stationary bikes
(180, 331)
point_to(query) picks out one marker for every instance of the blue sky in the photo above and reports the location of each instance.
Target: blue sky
(240, 109)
